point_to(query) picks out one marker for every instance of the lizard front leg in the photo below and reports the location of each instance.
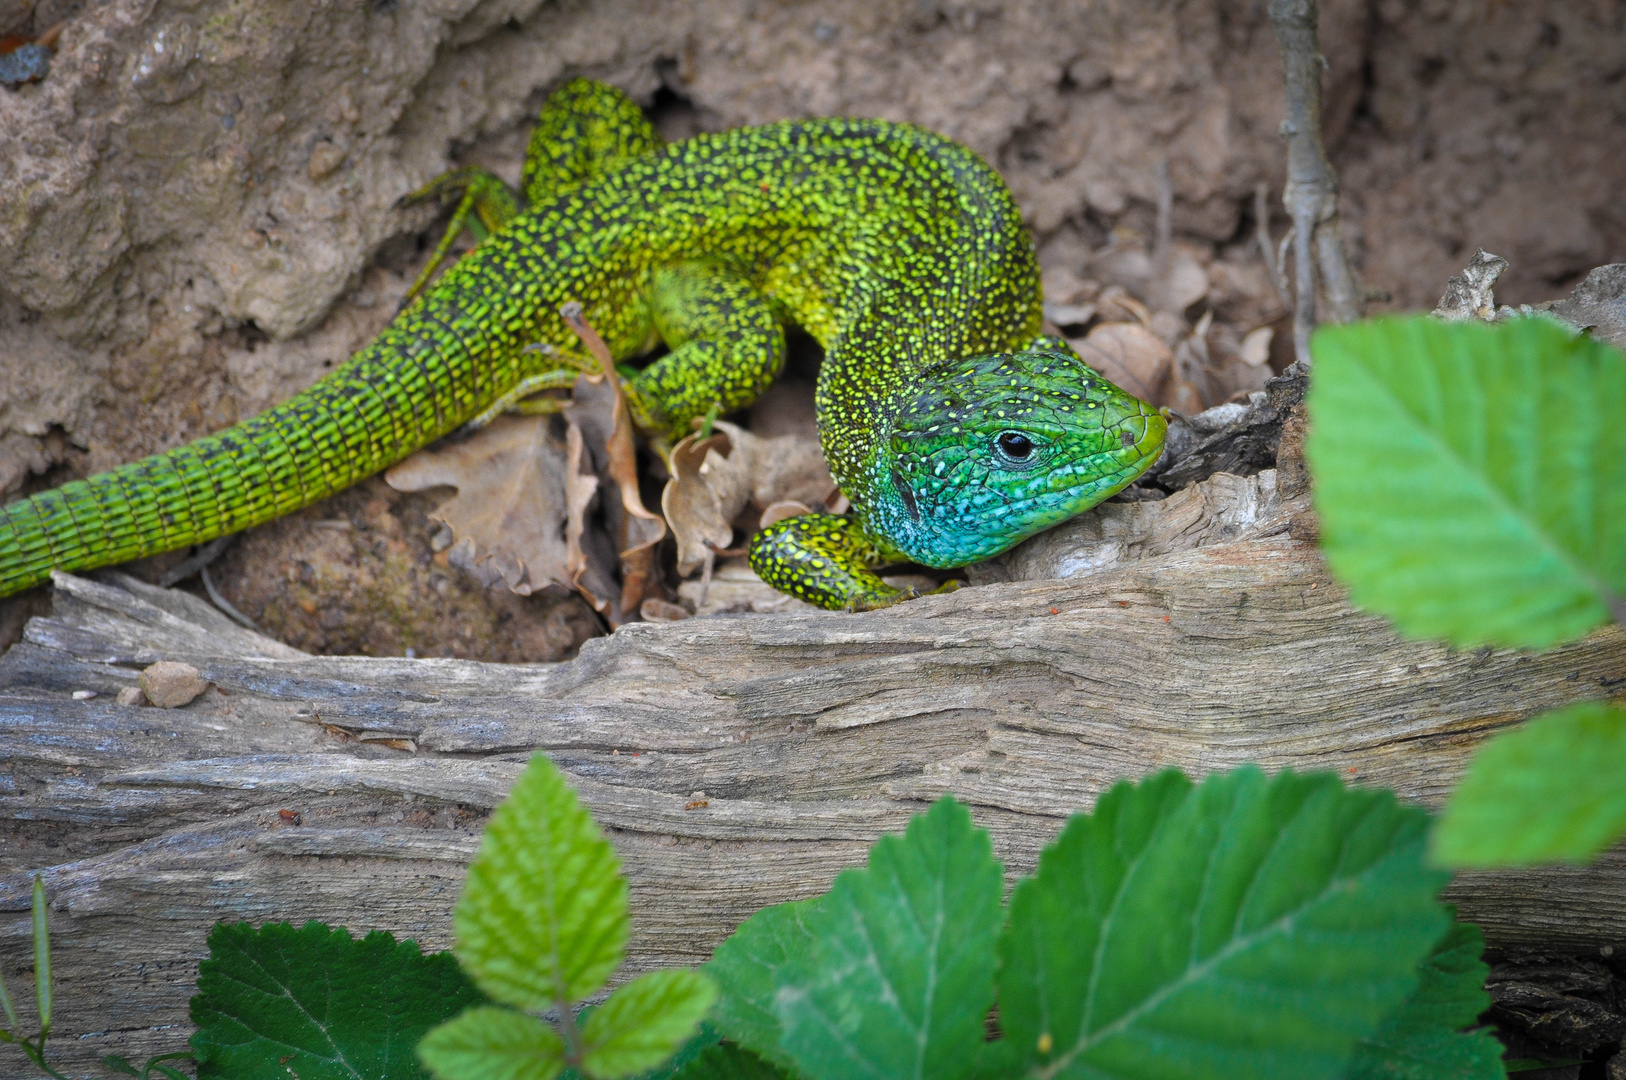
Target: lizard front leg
(727, 348)
(825, 560)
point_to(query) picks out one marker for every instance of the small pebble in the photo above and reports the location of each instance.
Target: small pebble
(83, 695)
(131, 695)
(170, 684)
(325, 157)
(655, 610)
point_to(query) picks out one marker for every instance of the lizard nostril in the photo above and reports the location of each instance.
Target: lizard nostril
(1126, 437)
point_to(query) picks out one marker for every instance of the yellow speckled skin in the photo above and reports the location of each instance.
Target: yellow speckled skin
(899, 250)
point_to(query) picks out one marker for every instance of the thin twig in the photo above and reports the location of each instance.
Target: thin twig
(1282, 249)
(207, 554)
(705, 574)
(1311, 192)
(1163, 242)
(225, 605)
(1261, 233)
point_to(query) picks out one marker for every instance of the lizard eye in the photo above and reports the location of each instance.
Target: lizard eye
(1014, 445)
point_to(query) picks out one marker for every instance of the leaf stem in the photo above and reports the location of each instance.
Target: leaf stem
(42, 961)
(572, 1035)
(36, 1054)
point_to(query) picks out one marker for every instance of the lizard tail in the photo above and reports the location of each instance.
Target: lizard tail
(363, 417)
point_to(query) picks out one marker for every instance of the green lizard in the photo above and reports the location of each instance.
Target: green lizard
(952, 425)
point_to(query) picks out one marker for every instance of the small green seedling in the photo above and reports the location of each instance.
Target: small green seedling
(541, 926)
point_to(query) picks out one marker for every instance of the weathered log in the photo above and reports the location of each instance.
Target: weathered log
(737, 761)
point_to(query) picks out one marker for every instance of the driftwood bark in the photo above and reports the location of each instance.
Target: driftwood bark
(352, 790)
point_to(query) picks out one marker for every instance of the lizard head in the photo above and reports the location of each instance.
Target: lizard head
(990, 450)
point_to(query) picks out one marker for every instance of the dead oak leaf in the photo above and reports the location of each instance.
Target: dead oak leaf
(639, 529)
(592, 557)
(621, 535)
(509, 515)
(710, 485)
(1129, 355)
(715, 479)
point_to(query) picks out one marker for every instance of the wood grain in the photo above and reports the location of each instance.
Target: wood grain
(736, 761)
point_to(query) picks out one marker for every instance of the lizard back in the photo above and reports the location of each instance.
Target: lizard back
(895, 247)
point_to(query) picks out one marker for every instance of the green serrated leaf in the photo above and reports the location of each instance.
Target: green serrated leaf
(901, 970)
(704, 1036)
(644, 1022)
(1249, 926)
(1471, 479)
(747, 968)
(1424, 1038)
(697, 1044)
(543, 916)
(726, 1061)
(490, 1042)
(994, 1061)
(317, 1003)
(1552, 790)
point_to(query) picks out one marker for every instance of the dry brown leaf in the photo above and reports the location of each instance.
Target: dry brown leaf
(1238, 365)
(779, 511)
(591, 414)
(789, 467)
(1183, 397)
(734, 587)
(1187, 282)
(508, 517)
(592, 557)
(1129, 355)
(1171, 283)
(715, 479)
(640, 530)
(710, 485)
(1255, 348)
(1194, 363)
(1063, 285)
(1116, 305)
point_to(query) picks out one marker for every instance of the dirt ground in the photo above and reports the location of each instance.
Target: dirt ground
(197, 204)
